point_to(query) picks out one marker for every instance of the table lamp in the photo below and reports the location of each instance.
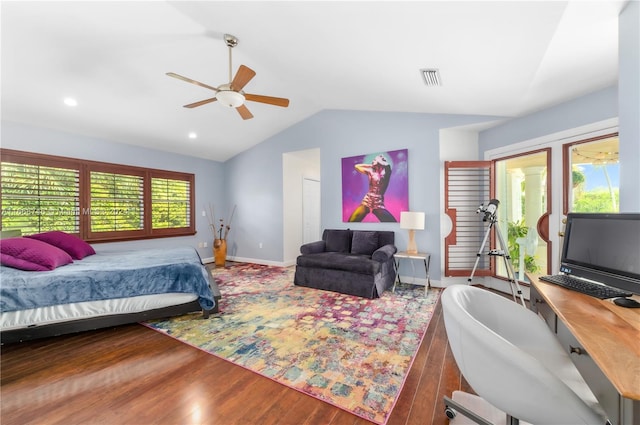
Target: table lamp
(412, 221)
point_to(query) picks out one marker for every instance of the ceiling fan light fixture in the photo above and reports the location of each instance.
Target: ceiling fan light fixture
(230, 98)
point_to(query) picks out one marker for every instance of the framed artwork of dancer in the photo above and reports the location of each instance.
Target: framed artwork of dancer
(375, 187)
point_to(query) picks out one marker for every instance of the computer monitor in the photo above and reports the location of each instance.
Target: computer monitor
(603, 247)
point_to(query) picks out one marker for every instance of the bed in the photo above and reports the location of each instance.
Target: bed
(103, 290)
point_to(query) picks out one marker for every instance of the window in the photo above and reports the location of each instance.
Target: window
(97, 201)
(37, 198)
(592, 175)
(170, 200)
(116, 203)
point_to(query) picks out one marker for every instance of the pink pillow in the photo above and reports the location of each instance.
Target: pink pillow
(72, 245)
(32, 255)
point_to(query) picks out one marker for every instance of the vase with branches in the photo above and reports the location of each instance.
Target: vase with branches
(220, 229)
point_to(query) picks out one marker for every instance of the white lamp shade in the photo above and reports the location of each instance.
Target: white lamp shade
(412, 220)
(230, 98)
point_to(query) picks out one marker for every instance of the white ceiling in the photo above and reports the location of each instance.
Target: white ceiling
(503, 58)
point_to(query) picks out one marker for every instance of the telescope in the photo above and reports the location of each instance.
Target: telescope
(489, 210)
(490, 215)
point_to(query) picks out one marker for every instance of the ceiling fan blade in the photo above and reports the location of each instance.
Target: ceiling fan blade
(243, 76)
(202, 102)
(277, 101)
(244, 112)
(189, 80)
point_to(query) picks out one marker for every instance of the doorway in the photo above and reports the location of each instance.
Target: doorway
(299, 166)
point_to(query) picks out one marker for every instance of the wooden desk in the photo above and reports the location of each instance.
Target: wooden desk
(604, 342)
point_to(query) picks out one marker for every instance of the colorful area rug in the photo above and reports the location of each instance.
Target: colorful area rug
(352, 352)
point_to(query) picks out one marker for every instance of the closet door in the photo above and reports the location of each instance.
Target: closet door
(310, 210)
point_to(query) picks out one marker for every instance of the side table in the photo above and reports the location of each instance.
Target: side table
(403, 255)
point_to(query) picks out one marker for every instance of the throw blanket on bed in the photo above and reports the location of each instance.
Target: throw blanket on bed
(108, 275)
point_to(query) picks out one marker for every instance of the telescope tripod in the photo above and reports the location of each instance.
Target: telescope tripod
(504, 253)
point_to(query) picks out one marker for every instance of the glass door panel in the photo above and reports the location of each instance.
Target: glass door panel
(593, 183)
(522, 187)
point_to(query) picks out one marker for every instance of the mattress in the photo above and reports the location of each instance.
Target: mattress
(109, 275)
(89, 309)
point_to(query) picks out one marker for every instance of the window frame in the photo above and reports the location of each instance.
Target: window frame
(85, 167)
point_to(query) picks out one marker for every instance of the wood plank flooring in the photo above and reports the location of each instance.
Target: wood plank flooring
(134, 375)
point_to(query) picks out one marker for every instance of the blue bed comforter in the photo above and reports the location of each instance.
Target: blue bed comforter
(108, 275)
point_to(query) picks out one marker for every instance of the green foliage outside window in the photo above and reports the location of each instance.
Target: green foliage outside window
(170, 203)
(116, 202)
(519, 230)
(596, 201)
(38, 198)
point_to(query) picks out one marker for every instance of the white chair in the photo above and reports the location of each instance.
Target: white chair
(513, 361)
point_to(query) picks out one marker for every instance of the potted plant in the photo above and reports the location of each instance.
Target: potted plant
(517, 230)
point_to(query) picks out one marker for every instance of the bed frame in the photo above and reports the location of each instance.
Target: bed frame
(92, 323)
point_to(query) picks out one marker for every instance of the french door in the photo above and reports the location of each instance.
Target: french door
(523, 186)
(537, 183)
(520, 184)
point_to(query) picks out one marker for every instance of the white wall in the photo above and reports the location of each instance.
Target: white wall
(629, 106)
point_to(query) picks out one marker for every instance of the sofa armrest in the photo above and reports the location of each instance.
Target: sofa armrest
(384, 253)
(312, 247)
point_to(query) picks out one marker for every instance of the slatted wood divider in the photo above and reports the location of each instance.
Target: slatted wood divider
(467, 186)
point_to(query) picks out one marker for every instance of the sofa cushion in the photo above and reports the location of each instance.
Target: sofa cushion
(338, 261)
(337, 240)
(364, 243)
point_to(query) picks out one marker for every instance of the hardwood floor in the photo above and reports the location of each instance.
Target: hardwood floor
(134, 375)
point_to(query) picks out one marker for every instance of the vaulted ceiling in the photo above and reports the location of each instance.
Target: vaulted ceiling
(502, 58)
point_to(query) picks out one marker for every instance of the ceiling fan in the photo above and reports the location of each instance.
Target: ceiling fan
(231, 93)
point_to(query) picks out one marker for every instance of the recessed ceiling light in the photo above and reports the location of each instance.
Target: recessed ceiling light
(193, 135)
(69, 101)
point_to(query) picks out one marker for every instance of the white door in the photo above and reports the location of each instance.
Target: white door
(310, 210)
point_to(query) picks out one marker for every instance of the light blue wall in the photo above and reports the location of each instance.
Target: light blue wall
(209, 174)
(584, 110)
(254, 178)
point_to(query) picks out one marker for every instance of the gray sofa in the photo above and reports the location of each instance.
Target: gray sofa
(354, 262)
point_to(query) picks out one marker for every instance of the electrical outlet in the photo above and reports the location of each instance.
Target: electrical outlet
(260, 245)
(205, 244)
(204, 213)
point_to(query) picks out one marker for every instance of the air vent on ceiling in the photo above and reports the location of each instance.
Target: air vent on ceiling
(431, 76)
